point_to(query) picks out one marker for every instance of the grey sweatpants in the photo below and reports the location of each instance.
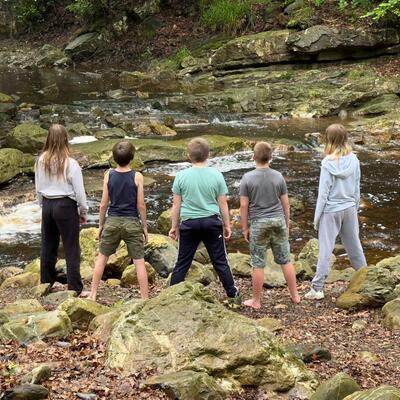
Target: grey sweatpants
(345, 224)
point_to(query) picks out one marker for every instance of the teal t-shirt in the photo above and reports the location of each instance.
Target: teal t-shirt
(199, 189)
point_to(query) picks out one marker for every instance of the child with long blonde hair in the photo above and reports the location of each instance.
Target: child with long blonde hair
(61, 194)
(337, 206)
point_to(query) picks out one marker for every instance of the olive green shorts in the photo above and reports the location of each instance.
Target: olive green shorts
(122, 228)
(269, 233)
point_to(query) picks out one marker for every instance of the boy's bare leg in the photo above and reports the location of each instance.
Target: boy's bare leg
(141, 273)
(101, 262)
(290, 277)
(258, 282)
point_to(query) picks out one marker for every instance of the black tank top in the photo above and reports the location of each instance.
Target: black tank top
(122, 191)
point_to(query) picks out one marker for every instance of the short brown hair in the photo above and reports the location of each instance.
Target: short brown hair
(198, 150)
(262, 152)
(336, 137)
(123, 153)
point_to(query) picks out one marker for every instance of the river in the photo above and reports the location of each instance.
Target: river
(81, 92)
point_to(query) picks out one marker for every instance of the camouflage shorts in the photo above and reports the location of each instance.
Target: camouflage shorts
(269, 233)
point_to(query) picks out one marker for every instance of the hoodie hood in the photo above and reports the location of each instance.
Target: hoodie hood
(342, 167)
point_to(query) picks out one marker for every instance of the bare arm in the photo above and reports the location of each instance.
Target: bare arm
(286, 209)
(223, 207)
(244, 216)
(175, 214)
(141, 205)
(103, 204)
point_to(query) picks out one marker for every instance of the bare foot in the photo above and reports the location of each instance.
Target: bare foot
(252, 304)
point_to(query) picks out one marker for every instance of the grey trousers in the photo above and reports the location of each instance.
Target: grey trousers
(345, 224)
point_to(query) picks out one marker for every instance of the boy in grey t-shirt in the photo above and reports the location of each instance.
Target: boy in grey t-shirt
(264, 202)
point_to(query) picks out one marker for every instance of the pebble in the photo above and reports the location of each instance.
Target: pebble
(86, 396)
(64, 345)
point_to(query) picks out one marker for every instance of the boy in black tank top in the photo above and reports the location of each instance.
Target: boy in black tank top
(123, 197)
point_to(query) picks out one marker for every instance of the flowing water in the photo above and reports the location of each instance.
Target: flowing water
(81, 94)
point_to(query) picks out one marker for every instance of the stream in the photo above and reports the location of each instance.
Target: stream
(81, 93)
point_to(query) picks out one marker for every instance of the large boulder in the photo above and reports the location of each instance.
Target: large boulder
(164, 222)
(259, 49)
(26, 391)
(89, 245)
(27, 280)
(27, 137)
(14, 162)
(188, 385)
(83, 46)
(186, 328)
(384, 392)
(373, 286)
(7, 272)
(26, 327)
(161, 252)
(117, 262)
(82, 311)
(391, 314)
(22, 306)
(129, 276)
(338, 387)
(8, 107)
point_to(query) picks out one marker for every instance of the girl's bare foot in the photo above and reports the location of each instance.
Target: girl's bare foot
(252, 304)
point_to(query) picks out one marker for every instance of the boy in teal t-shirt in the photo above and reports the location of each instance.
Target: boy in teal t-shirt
(201, 206)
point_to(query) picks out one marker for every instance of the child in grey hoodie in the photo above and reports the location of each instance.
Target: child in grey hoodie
(337, 205)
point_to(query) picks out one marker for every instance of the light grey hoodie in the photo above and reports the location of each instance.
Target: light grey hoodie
(339, 185)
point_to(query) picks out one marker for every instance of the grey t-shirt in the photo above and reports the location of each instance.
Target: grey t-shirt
(263, 187)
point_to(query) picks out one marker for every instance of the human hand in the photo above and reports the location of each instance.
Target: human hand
(100, 233)
(246, 234)
(227, 231)
(316, 226)
(173, 233)
(145, 236)
(83, 219)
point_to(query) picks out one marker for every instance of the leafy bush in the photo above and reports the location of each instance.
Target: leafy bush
(88, 9)
(28, 12)
(227, 15)
(180, 55)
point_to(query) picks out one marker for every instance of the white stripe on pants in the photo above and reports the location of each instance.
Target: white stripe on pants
(345, 224)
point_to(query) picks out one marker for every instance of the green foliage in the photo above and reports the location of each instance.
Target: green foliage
(228, 15)
(88, 9)
(28, 12)
(180, 55)
(385, 9)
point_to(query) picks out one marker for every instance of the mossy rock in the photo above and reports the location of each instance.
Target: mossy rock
(336, 275)
(57, 298)
(14, 162)
(8, 272)
(161, 252)
(22, 306)
(23, 328)
(199, 273)
(117, 262)
(186, 328)
(338, 387)
(164, 222)
(78, 129)
(112, 133)
(134, 79)
(129, 276)
(82, 311)
(391, 314)
(5, 98)
(27, 137)
(33, 266)
(89, 245)
(384, 392)
(26, 279)
(37, 375)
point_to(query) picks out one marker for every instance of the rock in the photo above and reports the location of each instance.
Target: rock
(27, 279)
(8, 108)
(22, 306)
(89, 245)
(262, 48)
(373, 286)
(23, 328)
(186, 328)
(41, 290)
(27, 137)
(297, 207)
(310, 352)
(169, 121)
(199, 273)
(367, 357)
(78, 129)
(134, 80)
(379, 105)
(50, 55)
(113, 282)
(26, 392)
(272, 324)
(384, 392)
(113, 133)
(129, 277)
(50, 92)
(164, 222)
(37, 375)
(56, 298)
(310, 253)
(8, 272)
(117, 262)
(188, 385)
(117, 94)
(86, 396)
(336, 275)
(327, 43)
(13, 162)
(338, 387)
(161, 130)
(161, 253)
(391, 314)
(82, 311)
(202, 255)
(359, 325)
(83, 46)
(33, 266)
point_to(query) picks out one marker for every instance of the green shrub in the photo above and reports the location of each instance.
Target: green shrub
(228, 15)
(180, 55)
(28, 12)
(88, 9)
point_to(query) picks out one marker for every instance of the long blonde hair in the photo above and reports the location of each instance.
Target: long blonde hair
(56, 151)
(336, 141)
